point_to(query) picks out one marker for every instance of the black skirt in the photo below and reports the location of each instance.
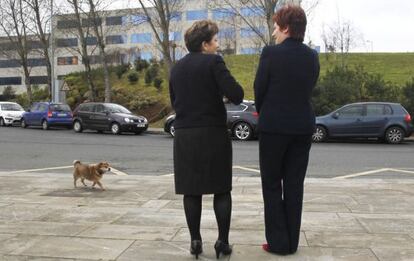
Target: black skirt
(202, 161)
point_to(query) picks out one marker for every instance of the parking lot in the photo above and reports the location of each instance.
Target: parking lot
(53, 151)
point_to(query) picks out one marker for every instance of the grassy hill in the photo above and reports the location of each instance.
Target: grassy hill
(394, 67)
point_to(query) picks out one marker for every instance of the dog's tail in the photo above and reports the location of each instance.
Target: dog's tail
(76, 162)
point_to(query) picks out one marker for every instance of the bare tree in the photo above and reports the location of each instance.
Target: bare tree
(258, 14)
(96, 19)
(40, 18)
(159, 14)
(82, 34)
(340, 37)
(13, 16)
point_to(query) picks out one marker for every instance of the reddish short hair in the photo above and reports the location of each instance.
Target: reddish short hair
(294, 18)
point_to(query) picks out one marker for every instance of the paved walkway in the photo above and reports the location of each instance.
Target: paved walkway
(42, 217)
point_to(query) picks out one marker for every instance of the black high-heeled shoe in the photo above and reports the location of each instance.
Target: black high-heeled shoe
(222, 248)
(196, 248)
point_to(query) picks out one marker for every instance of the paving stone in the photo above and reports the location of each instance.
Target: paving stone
(359, 240)
(168, 251)
(394, 254)
(141, 218)
(22, 212)
(318, 221)
(320, 207)
(74, 247)
(17, 242)
(388, 225)
(85, 215)
(248, 237)
(42, 228)
(147, 233)
(248, 253)
(155, 204)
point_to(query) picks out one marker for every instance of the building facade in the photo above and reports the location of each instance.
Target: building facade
(128, 35)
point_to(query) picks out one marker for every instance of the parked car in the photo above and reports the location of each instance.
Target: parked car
(241, 121)
(388, 122)
(107, 117)
(47, 114)
(10, 113)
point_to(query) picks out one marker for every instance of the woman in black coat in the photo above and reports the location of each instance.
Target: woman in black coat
(202, 146)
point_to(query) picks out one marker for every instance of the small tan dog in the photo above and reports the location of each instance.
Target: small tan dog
(92, 172)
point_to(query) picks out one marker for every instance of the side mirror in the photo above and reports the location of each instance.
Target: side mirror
(335, 115)
(106, 112)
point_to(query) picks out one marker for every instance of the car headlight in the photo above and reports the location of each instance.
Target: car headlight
(145, 120)
(128, 120)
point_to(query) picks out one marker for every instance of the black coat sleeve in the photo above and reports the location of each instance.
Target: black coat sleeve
(226, 82)
(262, 78)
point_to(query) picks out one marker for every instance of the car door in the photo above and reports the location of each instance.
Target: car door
(40, 113)
(234, 113)
(375, 119)
(29, 115)
(99, 118)
(84, 113)
(347, 121)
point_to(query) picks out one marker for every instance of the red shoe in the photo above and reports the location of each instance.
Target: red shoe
(266, 247)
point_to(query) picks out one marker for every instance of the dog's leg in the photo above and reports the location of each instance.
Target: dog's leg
(93, 185)
(74, 180)
(83, 182)
(100, 185)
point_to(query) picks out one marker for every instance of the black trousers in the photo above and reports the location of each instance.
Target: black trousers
(283, 165)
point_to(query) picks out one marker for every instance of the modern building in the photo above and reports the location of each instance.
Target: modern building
(128, 36)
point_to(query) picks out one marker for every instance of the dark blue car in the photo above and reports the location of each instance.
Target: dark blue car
(389, 122)
(47, 114)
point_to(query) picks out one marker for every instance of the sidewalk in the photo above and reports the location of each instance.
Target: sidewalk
(42, 217)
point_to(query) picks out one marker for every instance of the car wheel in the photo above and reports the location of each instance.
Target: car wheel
(2, 123)
(172, 130)
(77, 126)
(394, 135)
(320, 134)
(23, 124)
(115, 128)
(242, 131)
(45, 125)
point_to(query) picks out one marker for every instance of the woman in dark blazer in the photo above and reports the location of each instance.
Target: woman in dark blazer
(202, 146)
(284, 82)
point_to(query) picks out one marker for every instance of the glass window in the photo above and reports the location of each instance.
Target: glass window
(249, 50)
(99, 108)
(252, 11)
(230, 107)
(351, 111)
(227, 33)
(115, 108)
(222, 13)
(11, 107)
(249, 32)
(38, 79)
(116, 39)
(375, 109)
(175, 16)
(91, 40)
(59, 107)
(72, 60)
(13, 63)
(88, 22)
(141, 38)
(67, 42)
(86, 107)
(115, 20)
(66, 24)
(387, 110)
(197, 15)
(42, 107)
(34, 107)
(10, 80)
(36, 62)
(138, 19)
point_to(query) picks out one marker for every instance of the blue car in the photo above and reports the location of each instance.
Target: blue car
(47, 114)
(389, 122)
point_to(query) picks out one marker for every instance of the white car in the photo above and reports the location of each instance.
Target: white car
(10, 113)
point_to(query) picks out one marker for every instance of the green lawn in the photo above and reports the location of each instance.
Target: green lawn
(395, 67)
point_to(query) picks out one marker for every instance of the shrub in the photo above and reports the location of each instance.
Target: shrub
(151, 73)
(141, 65)
(133, 77)
(121, 69)
(158, 83)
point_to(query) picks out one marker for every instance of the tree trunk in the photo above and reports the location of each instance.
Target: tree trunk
(27, 84)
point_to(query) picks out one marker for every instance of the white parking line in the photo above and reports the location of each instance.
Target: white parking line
(247, 169)
(118, 172)
(373, 172)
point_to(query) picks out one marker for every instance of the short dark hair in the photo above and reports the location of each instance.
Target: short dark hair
(199, 32)
(292, 17)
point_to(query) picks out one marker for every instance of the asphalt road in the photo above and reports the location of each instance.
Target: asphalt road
(150, 154)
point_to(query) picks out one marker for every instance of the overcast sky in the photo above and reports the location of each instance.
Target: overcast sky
(384, 25)
(388, 24)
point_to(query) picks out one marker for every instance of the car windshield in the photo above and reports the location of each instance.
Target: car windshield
(115, 108)
(11, 107)
(59, 107)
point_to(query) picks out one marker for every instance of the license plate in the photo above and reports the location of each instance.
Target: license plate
(140, 125)
(62, 115)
